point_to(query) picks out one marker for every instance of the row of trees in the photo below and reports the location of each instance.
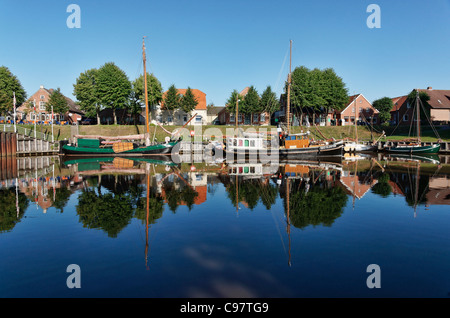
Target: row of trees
(252, 102)
(109, 87)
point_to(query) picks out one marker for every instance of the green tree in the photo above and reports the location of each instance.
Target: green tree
(85, 90)
(423, 103)
(335, 92)
(154, 93)
(172, 99)
(10, 85)
(58, 101)
(188, 101)
(231, 102)
(113, 88)
(13, 208)
(384, 106)
(269, 101)
(251, 102)
(317, 90)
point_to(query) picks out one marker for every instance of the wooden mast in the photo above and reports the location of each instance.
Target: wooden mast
(288, 111)
(418, 115)
(147, 139)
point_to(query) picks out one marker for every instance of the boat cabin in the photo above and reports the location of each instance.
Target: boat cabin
(296, 141)
(245, 143)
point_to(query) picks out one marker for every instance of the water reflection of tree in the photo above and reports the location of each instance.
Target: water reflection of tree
(251, 191)
(9, 202)
(382, 187)
(177, 192)
(110, 212)
(156, 207)
(317, 204)
(62, 196)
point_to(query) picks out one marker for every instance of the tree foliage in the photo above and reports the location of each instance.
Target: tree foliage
(172, 99)
(251, 103)
(317, 89)
(113, 87)
(269, 101)
(86, 92)
(384, 106)
(188, 101)
(231, 102)
(10, 85)
(58, 101)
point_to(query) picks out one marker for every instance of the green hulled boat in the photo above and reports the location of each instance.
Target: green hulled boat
(416, 146)
(94, 147)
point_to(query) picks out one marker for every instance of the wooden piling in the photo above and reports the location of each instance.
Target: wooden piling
(2, 144)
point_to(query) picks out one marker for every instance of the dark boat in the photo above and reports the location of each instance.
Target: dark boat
(415, 146)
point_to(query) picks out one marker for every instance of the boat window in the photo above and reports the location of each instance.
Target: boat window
(246, 143)
(252, 143)
(245, 169)
(252, 169)
(240, 142)
(240, 169)
(235, 142)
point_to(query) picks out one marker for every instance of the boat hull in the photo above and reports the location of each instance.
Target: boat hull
(159, 149)
(292, 153)
(430, 149)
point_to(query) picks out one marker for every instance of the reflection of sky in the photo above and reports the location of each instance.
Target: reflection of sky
(214, 251)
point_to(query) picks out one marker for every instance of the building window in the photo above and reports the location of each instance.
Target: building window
(263, 117)
(232, 117)
(408, 105)
(240, 117)
(41, 105)
(169, 118)
(42, 97)
(255, 117)
(353, 109)
(61, 117)
(405, 117)
(198, 119)
(33, 116)
(346, 119)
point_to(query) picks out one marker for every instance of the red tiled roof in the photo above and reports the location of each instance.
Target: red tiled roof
(198, 94)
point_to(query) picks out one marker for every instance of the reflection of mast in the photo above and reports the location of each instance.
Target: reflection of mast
(288, 221)
(146, 226)
(355, 178)
(416, 194)
(237, 194)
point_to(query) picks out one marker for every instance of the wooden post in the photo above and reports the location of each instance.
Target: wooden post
(8, 143)
(3, 143)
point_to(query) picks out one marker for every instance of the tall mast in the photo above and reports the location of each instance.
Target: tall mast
(288, 111)
(418, 115)
(145, 86)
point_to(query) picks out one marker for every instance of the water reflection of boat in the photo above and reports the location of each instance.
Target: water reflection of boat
(130, 165)
(431, 158)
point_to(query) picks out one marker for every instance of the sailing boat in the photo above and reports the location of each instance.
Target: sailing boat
(356, 146)
(300, 145)
(122, 145)
(290, 146)
(415, 147)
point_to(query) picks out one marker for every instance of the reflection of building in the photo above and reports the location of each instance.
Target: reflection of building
(354, 186)
(439, 193)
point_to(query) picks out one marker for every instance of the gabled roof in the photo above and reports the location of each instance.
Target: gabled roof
(198, 94)
(439, 98)
(350, 101)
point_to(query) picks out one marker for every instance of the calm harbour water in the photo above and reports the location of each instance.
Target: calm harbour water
(286, 230)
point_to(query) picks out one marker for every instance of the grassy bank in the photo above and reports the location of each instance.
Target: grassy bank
(337, 132)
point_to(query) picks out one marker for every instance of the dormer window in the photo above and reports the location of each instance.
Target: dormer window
(42, 97)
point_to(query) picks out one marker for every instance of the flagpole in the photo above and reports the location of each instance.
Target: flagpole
(52, 125)
(34, 108)
(14, 105)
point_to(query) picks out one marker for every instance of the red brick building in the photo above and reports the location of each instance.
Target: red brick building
(402, 112)
(39, 99)
(359, 109)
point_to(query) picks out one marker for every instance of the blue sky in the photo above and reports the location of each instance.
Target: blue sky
(218, 46)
